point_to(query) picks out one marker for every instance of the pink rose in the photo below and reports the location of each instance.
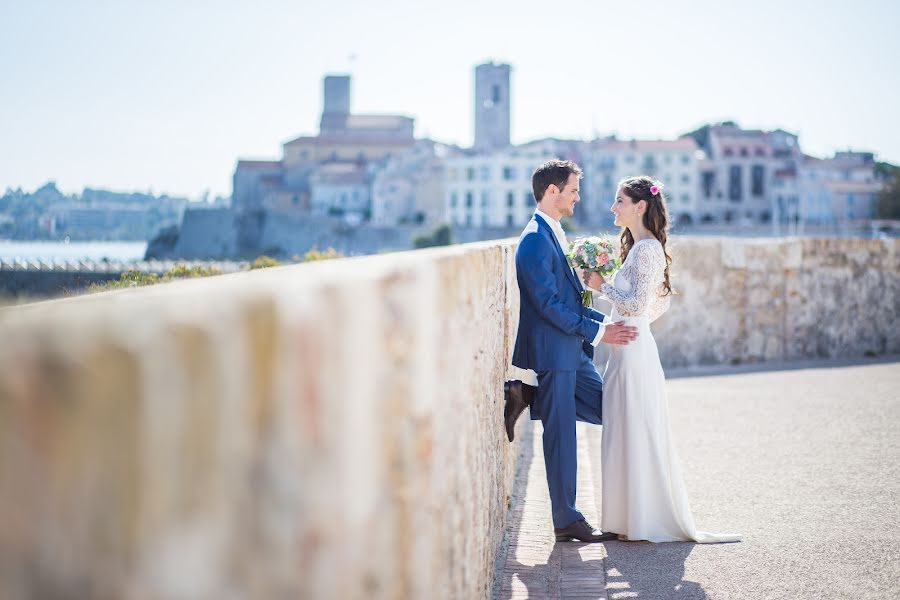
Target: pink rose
(603, 258)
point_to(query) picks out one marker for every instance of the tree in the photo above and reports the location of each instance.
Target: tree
(887, 205)
(441, 236)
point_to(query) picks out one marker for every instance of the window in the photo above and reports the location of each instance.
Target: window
(728, 152)
(468, 199)
(495, 94)
(470, 174)
(528, 198)
(744, 152)
(510, 199)
(685, 178)
(510, 221)
(734, 183)
(508, 173)
(629, 158)
(757, 174)
(685, 159)
(685, 199)
(453, 199)
(484, 198)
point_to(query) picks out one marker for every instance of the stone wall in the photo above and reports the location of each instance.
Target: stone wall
(330, 430)
(756, 300)
(333, 429)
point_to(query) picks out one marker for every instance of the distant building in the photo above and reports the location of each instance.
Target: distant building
(494, 190)
(410, 187)
(353, 141)
(744, 172)
(341, 189)
(492, 107)
(326, 174)
(840, 189)
(673, 162)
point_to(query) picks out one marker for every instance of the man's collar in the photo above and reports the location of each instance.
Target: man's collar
(550, 220)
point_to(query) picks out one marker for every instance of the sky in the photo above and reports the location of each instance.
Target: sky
(165, 96)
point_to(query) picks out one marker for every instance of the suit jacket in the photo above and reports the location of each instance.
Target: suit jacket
(554, 327)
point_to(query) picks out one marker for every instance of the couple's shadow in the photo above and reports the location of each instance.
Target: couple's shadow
(632, 569)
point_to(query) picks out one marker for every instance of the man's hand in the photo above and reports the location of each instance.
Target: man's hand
(619, 333)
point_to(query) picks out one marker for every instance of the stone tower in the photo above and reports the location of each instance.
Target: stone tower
(336, 102)
(491, 106)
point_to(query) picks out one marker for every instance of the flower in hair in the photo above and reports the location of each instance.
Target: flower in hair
(654, 189)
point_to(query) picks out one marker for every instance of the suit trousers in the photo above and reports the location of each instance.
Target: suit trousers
(562, 398)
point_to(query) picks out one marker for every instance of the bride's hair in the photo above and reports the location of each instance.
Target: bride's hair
(656, 217)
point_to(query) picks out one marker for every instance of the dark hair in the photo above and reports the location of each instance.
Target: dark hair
(555, 172)
(655, 218)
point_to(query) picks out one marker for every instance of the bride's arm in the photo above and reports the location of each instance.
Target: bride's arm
(659, 307)
(647, 271)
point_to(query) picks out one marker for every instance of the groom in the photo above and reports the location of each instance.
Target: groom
(556, 339)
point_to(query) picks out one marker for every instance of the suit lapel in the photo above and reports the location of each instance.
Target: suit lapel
(560, 253)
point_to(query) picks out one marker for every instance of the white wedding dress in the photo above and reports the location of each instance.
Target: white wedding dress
(643, 496)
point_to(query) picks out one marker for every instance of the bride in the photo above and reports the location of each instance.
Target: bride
(644, 497)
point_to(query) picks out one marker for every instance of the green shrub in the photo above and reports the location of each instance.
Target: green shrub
(314, 255)
(134, 278)
(264, 262)
(441, 236)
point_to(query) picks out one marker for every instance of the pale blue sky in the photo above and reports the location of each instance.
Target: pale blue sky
(166, 95)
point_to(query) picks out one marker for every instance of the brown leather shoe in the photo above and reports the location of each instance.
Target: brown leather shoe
(518, 396)
(583, 532)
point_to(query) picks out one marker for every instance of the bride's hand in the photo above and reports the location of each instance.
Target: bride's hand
(593, 279)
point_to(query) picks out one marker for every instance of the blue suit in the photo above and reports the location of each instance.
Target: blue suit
(554, 339)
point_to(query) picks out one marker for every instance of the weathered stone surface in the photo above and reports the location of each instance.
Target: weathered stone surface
(753, 300)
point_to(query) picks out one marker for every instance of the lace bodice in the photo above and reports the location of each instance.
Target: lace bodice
(637, 289)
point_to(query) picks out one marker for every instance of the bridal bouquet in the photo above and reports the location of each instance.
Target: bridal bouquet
(593, 254)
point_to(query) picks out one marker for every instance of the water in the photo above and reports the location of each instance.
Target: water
(114, 251)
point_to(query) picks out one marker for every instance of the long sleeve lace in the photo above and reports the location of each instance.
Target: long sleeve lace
(644, 271)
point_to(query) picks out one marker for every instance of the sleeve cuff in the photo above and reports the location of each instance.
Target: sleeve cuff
(599, 335)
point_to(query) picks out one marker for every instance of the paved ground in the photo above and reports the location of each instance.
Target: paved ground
(805, 462)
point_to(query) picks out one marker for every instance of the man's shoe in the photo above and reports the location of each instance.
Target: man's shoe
(583, 532)
(518, 397)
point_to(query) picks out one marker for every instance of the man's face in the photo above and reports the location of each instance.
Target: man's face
(566, 200)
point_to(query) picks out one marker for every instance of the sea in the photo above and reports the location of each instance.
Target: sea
(113, 251)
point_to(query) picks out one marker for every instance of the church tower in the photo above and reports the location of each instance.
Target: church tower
(491, 106)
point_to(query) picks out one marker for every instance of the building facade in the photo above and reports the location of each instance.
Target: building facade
(672, 162)
(494, 189)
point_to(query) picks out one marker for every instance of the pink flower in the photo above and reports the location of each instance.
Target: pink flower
(654, 189)
(603, 258)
